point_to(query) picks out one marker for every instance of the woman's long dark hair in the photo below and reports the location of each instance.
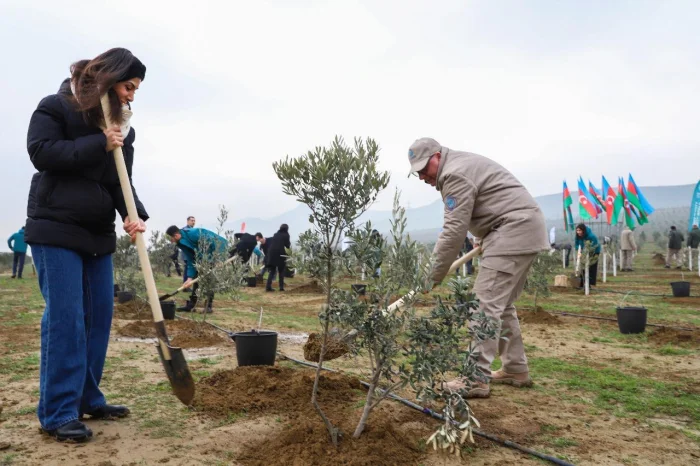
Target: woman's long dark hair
(92, 77)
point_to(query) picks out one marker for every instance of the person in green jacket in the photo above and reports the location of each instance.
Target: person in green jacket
(19, 248)
(196, 243)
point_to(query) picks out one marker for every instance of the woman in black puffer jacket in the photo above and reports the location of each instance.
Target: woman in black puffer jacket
(71, 230)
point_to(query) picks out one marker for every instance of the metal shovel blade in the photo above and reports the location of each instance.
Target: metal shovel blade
(175, 365)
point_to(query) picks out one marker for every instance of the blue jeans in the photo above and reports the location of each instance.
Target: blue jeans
(18, 263)
(78, 291)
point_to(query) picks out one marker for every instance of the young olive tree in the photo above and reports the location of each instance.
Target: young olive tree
(382, 332)
(444, 343)
(540, 274)
(338, 183)
(405, 348)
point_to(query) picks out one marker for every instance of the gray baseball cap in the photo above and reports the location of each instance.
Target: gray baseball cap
(420, 152)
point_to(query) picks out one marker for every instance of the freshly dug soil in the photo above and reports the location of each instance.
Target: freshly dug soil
(663, 336)
(278, 390)
(138, 329)
(189, 334)
(392, 436)
(538, 317)
(659, 259)
(183, 333)
(133, 310)
(309, 288)
(334, 348)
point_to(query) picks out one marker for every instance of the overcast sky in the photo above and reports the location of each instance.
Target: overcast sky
(550, 89)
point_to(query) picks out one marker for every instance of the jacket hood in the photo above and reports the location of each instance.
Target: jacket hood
(64, 88)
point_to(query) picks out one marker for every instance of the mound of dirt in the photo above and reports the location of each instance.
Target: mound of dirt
(190, 334)
(309, 288)
(334, 348)
(135, 309)
(280, 390)
(393, 434)
(182, 333)
(659, 259)
(138, 329)
(664, 336)
(387, 440)
(538, 317)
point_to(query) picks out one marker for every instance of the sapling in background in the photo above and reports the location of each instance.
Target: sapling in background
(160, 251)
(541, 273)
(214, 276)
(338, 184)
(127, 269)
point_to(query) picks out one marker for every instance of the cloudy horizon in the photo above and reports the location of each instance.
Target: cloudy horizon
(549, 89)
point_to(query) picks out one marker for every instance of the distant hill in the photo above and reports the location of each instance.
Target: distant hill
(424, 223)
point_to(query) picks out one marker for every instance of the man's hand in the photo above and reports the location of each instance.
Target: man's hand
(188, 283)
(132, 228)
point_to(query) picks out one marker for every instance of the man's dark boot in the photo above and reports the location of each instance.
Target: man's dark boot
(108, 412)
(74, 431)
(187, 307)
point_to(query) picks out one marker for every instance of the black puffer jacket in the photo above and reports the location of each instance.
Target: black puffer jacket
(279, 242)
(77, 190)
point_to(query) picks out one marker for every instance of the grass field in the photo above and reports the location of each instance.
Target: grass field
(600, 397)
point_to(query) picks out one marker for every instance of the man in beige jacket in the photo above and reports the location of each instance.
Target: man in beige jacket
(484, 198)
(628, 246)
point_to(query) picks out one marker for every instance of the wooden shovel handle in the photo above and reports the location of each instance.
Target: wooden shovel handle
(227, 261)
(398, 304)
(133, 216)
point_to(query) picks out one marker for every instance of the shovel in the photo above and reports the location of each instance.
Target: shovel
(166, 296)
(172, 358)
(312, 348)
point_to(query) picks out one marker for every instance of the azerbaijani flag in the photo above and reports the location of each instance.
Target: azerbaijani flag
(626, 203)
(633, 188)
(609, 200)
(631, 196)
(568, 217)
(600, 203)
(586, 206)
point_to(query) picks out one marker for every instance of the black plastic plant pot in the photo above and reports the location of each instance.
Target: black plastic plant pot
(252, 281)
(359, 289)
(255, 348)
(632, 319)
(124, 296)
(116, 290)
(680, 289)
(168, 308)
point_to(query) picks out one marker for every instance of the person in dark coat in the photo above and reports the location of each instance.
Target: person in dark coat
(245, 245)
(71, 230)
(276, 263)
(18, 247)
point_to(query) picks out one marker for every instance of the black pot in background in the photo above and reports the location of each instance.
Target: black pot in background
(360, 289)
(631, 319)
(252, 282)
(255, 348)
(680, 289)
(124, 296)
(116, 290)
(168, 308)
